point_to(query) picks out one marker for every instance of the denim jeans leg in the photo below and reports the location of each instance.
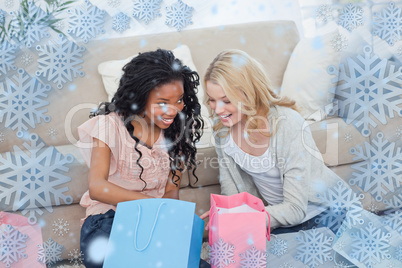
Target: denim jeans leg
(95, 233)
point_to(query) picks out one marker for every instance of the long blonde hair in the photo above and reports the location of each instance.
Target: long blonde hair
(246, 85)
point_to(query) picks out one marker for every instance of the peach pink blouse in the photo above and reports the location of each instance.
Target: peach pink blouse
(124, 170)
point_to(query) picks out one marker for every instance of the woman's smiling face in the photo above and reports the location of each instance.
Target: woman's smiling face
(164, 103)
(229, 114)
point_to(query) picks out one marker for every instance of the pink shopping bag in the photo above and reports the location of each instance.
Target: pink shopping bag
(237, 231)
(19, 242)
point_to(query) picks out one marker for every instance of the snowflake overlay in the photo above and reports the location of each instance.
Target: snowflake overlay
(350, 17)
(286, 265)
(52, 132)
(21, 101)
(7, 57)
(86, 21)
(253, 258)
(179, 15)
(370, 245)
(339, 42)
(399, 52)
(147, 10)
(49, 252)
(381, 172)
(1, 140)
(12, 244)
(60, 227)
(324, 13)
(348, 137)
(26, 59)
(340, 200)
(33, 182)
(60, 60)
(394, 220)
(34, 29)
(121, 22)
(314, 247)
(9, 3)
(373, 208)
(113, 3)
(76, 257)
(388, 24)
(398, 253)
(399, 131)
(222, 254)
(279, 247)
(367, 86)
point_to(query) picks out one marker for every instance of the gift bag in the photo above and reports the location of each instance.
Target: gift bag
(155, 233)
(237, 231)
(19, 242)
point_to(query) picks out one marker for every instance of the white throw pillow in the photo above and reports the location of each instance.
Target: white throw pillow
(306, 79)
(111, 72)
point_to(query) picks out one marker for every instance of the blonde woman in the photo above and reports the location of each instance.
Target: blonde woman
(262, 143)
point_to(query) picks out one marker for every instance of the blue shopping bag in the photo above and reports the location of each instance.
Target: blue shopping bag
(155, 233)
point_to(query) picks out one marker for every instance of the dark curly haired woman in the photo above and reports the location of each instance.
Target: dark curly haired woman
(137, 145)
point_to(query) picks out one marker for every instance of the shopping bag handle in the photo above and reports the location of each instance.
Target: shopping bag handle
(210, 227)
(152, 230)
(269, 226)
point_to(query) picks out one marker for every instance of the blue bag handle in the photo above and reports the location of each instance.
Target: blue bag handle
(152, 230)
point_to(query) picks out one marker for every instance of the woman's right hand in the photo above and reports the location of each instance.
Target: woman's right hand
(204, 216)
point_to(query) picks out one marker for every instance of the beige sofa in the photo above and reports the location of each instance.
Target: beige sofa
(270, 42)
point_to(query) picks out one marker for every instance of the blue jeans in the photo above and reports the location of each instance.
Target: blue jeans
(307, 225)
(98, 228)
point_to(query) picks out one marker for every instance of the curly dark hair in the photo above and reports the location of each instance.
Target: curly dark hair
(141, 75)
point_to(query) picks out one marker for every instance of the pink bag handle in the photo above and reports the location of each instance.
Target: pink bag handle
(269, 226)
(210, 231)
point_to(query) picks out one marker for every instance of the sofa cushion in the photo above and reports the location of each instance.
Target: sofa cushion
(306, 79)
(207, 170)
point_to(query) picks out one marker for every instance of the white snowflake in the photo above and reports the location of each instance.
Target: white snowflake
(147, 10)
(253, 258)
(222, 254)
(86, 21)
(60, 227)
(49, 252)
(348, 137)
(279, 247)
(179, 15)
(394, 220)
(286, 265)
(373, 208)
(339, 42)
(12, 244)
(339, 199)
(32, 178)
(324, 13)
(370, 245)
(60, 60)
(32, 20)
(113, 3)
(398, 253)
(399, 51)
(388, 24)
(22, 99)
(52, 132)
(59, 25)
(381, 172)
(2, 137)
(76, 257)
(26, 59)
(342, 264)
(366, 86)
(339, 245)
(350, 17)
(9, 3)
(399, 131)
(121, 22)
(7, 56)
(394, 200)
(314, 247)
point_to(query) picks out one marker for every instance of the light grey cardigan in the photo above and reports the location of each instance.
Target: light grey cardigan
(302, 170)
